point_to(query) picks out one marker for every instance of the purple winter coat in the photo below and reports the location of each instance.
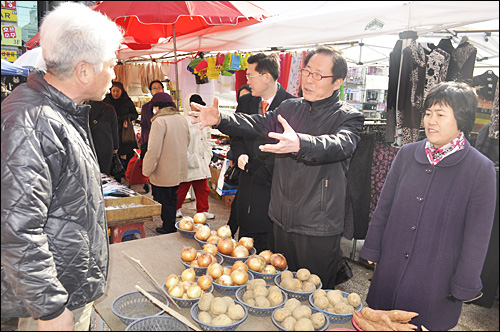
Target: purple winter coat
(430, 233)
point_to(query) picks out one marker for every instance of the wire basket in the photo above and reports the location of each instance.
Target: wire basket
(200, 242)
(301, 296)
(336, 318)
(258, 311)
(230, 290)
(187, 303)
(186, 234)
(268, 277)
(157, 323)
(132, 306)
(314, 310)
(230, 260)
(195, 310)
(202, 270)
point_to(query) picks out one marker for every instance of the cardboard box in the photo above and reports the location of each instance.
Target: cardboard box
(228, 200)
(149, 208)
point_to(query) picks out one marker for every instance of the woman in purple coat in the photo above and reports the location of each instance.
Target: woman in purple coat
(429, 233)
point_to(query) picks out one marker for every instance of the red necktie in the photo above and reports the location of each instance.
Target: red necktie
(264, 107)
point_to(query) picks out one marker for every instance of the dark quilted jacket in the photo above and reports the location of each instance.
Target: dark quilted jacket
(54, 232)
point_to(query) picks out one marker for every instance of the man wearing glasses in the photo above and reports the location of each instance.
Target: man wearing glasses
(313, 138)
(254, 184)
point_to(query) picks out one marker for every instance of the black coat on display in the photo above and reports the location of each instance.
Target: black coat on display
(104, 129)
(254, 185)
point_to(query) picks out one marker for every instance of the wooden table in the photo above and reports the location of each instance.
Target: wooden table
(160, 255)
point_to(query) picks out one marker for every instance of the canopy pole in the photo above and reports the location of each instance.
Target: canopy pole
(176, 70)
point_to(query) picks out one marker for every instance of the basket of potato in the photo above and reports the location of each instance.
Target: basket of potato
(337, 305)
(294, 316)
(298, 284)
(186, 291)
(218, 313)
(260, 298)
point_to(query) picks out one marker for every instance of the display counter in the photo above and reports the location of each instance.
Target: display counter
(160, 255)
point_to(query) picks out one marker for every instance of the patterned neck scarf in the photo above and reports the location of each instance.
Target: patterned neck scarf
(435, 155)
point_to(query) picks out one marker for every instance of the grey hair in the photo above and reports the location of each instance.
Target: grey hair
(74, 33)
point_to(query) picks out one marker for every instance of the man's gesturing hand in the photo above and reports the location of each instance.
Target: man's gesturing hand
(205, 115)
(288, 141)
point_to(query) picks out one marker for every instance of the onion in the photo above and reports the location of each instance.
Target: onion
(278, 261)
(239, 265)
(234, 242)
(225, 280)
(227, 270)
(224, 231)
(186, 284)
(269, 269)
(199, 218)
(194, 263)
(210, 248)
(239, 277)
(205, 281)
(256, 263)
(172, 280)
(246, 242)
(240, 252)
(215, 270)
(176, 291)
(267, 255)
(188, 254)
(186, 224)
(194, 292)
(213, 239)
(203, 232)
(205, 260)
(225, 246)
(188, 275)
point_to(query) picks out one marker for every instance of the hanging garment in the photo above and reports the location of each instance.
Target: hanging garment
(493, 131)
(201, 68)
(462, 63)
(220, 61)
(212, 71)
(244, 61)
(394, 62)
(485, 84)
(282, 64)
(295, 74)
(226, 65)
(436, 69)
(235, 62)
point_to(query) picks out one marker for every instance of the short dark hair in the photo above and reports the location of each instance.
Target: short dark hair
(243, 87)
(266, 63)
(461, 98)
(339, 69)
(163, 104)
(156, 81)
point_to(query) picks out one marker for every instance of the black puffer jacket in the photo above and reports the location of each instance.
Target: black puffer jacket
(54, 233)
(308, 190)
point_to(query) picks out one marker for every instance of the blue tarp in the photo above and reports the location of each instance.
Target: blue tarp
(11, 69)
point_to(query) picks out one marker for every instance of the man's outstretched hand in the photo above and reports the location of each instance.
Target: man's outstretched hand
(288, 141)
(207, 116)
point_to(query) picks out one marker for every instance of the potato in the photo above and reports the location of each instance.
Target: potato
(205, 301)
(299, 285)
(255, 282)
(318, 320)
(250, 302)
(321, 302)
(308, 286)
(301, 312)
(205, 317)
(354, 299)
(304, 324)
(281, 314)
(289, 323)
(229, 301)
(334, 297)
(273, 289)
(318, 293)
(289, 284)
(292, 304)
(331, 309)
(218, 306)
(262, 302)
(286, 275)
(236, 312)
(343, 308)
(303, 274)
(314, 279)
(222, 320)
(247, 295)
(260, 291)
(275, 298)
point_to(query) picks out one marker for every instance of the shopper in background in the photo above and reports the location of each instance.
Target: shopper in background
(313, 138)
(199, 155)
(124, 108)
(430, 230)
(166, 160)
(104, 129)
(54, 234)
(147, 114)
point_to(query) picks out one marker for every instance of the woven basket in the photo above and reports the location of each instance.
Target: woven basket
(301, 296)
(187, 303)
(314, 310)
(157, 323)
(230, 290)
(195, 310)
(336, 318)
(133, 306)
(202, 270)
(258, 311)
(186, 234)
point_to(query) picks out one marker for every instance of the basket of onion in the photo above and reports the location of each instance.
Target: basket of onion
(186, 227)
(260, 298)
(232, 250)
(299, 285)
(267, 265)
(200, 259)
(227, 280)
(187, 289)
(204, 235)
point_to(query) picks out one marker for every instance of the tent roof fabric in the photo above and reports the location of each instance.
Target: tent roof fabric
(11, 69)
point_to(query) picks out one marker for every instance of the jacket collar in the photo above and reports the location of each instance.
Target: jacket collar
(328, 102)
(449, 161)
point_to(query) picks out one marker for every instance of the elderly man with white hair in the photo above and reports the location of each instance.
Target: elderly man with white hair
(55, 248)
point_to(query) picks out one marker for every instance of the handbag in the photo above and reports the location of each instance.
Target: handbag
(128, 133)
(117, 169)
(231, 176)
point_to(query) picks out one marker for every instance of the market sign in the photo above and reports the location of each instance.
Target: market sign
(11, 35)
(9, 15)
(9, 5)
(9, 55)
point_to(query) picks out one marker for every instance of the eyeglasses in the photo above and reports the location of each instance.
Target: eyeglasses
(249, 77)
(316, 76)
